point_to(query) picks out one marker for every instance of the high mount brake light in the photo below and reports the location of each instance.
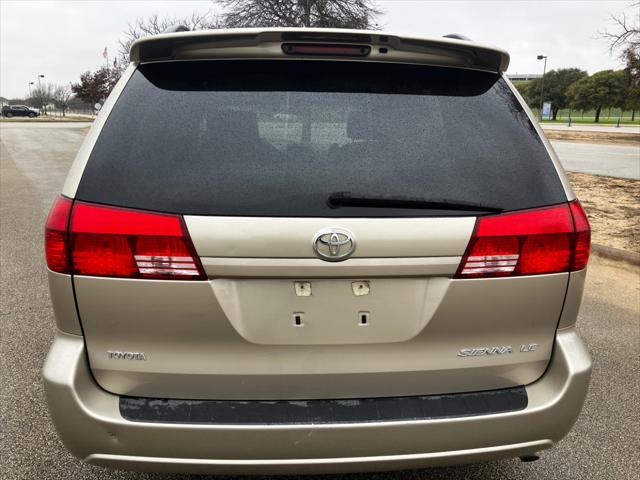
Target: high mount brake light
(531, 242)
(332, 50)
(107, 241)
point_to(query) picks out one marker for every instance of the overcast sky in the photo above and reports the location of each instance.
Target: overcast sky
(62, 39)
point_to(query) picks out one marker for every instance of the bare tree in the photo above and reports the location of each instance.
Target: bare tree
(61, 97)
(358, 14)
(625, 41)
(626, 33)
(41, 96)
(155, 24)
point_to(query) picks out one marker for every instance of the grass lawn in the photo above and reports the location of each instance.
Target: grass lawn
(608, 116)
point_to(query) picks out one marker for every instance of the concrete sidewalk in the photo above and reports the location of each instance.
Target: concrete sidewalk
(591, 127)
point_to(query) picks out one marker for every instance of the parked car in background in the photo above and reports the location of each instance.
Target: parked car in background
(9, 111)
(307, 250)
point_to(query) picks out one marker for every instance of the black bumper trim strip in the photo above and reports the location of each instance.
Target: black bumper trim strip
(296, 412)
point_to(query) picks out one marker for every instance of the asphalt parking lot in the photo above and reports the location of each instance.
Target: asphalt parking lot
(34, 159)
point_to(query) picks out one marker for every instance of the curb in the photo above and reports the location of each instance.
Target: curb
(616, 254)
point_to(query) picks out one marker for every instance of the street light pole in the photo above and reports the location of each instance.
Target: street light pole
(41, 99)
(30, 83)
(544, 70)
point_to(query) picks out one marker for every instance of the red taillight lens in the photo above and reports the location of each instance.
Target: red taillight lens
(118, 242)
(97, 240)
(582, 236)
(530, 242)
(55, 236)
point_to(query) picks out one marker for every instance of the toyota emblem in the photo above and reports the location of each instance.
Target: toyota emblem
(334, 244)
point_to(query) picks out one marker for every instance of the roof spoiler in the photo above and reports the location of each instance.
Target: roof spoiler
(266, 43)
(457, 36)
(176, 29)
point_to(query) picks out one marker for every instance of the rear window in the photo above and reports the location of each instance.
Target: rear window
(279, 137)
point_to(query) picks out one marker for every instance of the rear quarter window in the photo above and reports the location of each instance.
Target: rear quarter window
(277, 138)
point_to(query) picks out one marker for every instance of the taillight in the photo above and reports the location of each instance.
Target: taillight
(582, 236)
(531, 242)
(334, 50)
(56, 245)
(118, 242)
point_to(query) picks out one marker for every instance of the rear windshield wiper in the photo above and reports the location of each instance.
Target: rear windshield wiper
(349, 199)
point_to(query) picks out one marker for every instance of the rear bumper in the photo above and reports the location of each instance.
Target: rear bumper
(89, 423)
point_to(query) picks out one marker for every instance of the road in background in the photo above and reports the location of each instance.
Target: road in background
(34, 160)
(598, 158)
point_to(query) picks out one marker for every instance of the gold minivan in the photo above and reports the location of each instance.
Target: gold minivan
(308, 250)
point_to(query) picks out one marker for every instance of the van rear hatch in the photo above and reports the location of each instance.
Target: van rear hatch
(324, 208)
